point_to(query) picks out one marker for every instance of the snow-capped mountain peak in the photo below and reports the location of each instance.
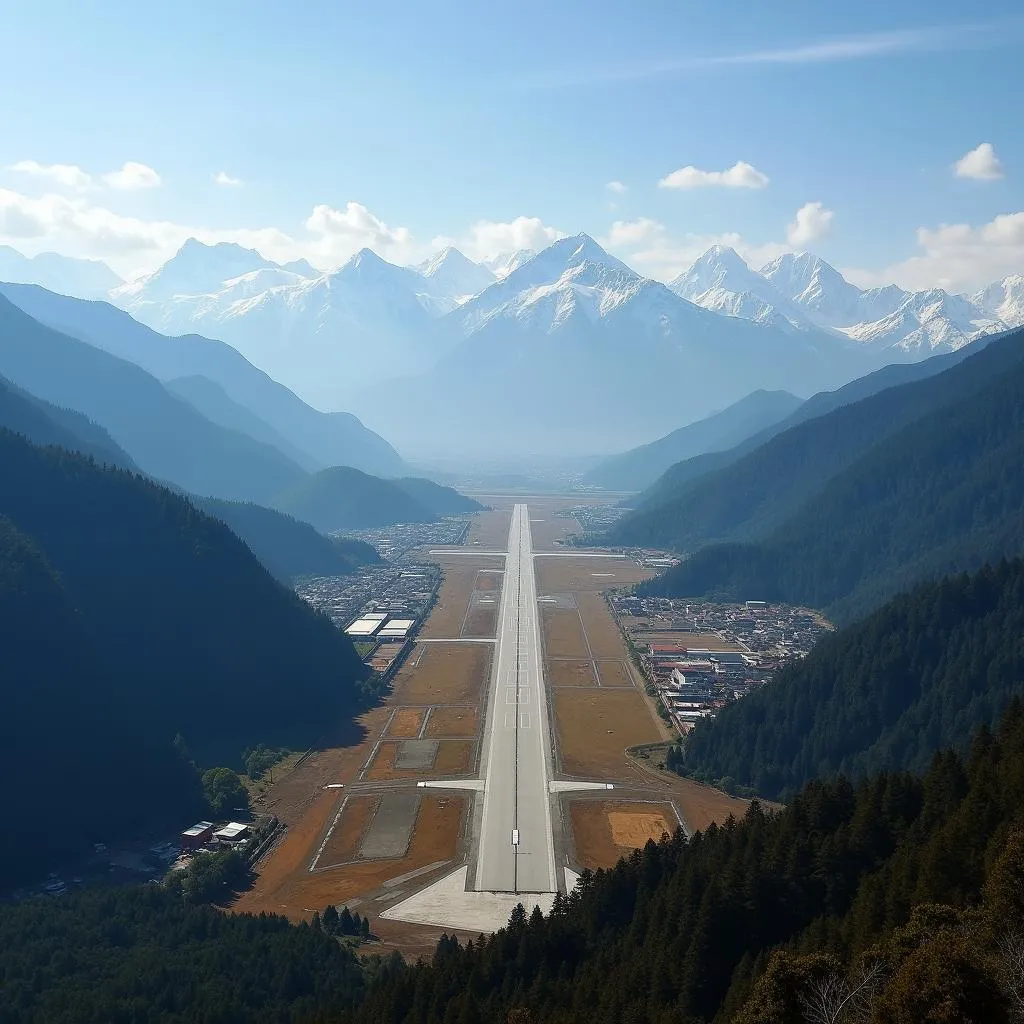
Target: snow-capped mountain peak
(195, 269)
(812, 284)
(1003, 299)
(720, 280)
(505, 262)
(455, 276)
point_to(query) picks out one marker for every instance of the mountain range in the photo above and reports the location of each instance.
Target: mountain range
(799, 291)
(571, 327)
(215, 378)
(85, 279)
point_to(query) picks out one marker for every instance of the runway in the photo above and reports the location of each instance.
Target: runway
(515, 851)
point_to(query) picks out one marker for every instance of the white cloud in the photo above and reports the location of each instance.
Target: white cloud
(68, 175)
(631, 233)
(223, 178)
(957, 257)
(647, 245)
(812, 222)
(981, 163)
(487, 238)
(616, 186)
(740, 175)
(132, 176)
(344, 232)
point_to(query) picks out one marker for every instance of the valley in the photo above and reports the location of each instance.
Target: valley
(377, 842)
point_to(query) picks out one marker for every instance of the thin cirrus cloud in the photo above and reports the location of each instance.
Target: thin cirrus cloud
(616, 186)
(980, 163)
(937, 38)
(740, 175)
(225, 179)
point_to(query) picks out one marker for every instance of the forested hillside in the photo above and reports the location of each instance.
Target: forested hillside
(329, 439)
(921, 673)
(436, 498)
(676, 480)
(47, 424)
(753, 496)
(287, 546)
(640, 467)
(63, 735)
(342, 498)
(188, 632)
(141, 954)
(681, 930)
(942, 495)
(164, 435)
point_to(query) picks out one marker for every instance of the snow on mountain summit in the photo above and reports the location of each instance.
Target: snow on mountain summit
(455, 276)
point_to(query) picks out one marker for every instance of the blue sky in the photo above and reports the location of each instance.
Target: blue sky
(498, 125)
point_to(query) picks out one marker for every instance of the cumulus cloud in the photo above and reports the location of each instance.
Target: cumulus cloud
(957, 257)
(740, 175)
(223, 178)
(653, 250)
(487, 238)
(980, 163)
(132, 176)
(812, 222)
(68, 175)
(345, 231)
(616, 186)
(626, 233)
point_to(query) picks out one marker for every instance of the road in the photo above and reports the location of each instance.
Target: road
(516, 755)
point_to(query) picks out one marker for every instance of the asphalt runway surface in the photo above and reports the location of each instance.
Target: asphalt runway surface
(515, 850)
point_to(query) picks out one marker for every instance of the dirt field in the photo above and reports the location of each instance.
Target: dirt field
(406, 723)
(604, 831)
(297, 895)
(604, 636)
(452, 599)
(443, 674)
(452, 722)
(595, 727)
(454, 757)
(702, 805)
(614, 673)
(348, 832)
(489, 530)
(480, 620)
(560, 575)
(563, 634)
(489, 582)
(571, 673)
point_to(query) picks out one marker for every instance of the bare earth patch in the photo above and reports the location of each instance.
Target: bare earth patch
(605, 831)
(595, 728)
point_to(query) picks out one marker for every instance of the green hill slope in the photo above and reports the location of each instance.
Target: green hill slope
(436, 498)
(921, 673)
(191, 634)
(678, 479)
(639, 468)
(342, 498)
(759, 492)
(942, 495)
(163, 434)
(47, 424)
(328, 438)
(287, 546)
